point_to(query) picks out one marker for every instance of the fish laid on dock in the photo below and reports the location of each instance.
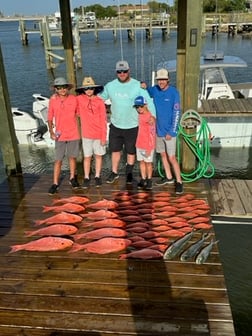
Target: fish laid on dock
(145, 253)
(72, 199)
(204, 253)
(102, 246)
(175, 248)
(101, 233)
(194, 248)
(44, 244)
(103, 204)
(67, 207)
(53, 230)
(61, 218)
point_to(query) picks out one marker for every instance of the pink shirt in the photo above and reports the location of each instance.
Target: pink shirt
(63, 113)
(146, 137)
(92, 112)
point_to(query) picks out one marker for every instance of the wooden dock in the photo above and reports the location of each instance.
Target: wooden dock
(226, 107)
(61, 293)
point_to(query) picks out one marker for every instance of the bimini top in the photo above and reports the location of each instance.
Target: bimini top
(211, 59)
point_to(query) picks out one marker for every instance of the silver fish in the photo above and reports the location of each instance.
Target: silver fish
(204, 253)
(177, 246)
(194, 248)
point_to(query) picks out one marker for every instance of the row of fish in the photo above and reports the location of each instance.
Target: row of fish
(142, 224)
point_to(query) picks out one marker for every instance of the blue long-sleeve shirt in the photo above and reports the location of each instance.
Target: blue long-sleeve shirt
(167, 103)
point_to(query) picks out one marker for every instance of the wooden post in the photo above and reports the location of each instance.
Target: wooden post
(188, 64)
(8, 138)
(66, 25)
(77, 54)
(24, 35)
(47, 43)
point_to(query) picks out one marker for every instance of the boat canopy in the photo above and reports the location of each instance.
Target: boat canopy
(209, 60)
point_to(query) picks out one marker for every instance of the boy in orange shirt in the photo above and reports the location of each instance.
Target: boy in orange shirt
(145, 143)
(93, 116)
(63, 127)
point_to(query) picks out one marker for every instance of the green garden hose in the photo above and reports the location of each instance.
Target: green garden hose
(198, 142)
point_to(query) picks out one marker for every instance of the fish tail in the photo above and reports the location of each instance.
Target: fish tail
(38, 222)
(77, 236)
(28, 233)
(15, 248)
(123, 256)
(75, 247)
(46, 208)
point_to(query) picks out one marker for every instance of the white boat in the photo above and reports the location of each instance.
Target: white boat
(31, 127)
(228, 131)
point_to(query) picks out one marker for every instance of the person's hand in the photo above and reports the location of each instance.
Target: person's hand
(168, 137)
(151, 120)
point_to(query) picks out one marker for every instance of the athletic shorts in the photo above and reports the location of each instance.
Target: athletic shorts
(168, 146)
(119, 138)
(92, 146)
(141, 156)
(66, 148)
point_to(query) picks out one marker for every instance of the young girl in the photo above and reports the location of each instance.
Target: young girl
(145, 143)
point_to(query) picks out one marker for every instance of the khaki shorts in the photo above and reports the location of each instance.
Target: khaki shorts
(92, 146)
(168, 146)
(67, 148)
(140, 153)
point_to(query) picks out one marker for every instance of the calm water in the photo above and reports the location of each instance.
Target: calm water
(26, 74)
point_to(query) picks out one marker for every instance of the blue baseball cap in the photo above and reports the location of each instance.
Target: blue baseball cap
(139, 101)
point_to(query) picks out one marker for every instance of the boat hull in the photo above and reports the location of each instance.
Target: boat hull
(230, 132)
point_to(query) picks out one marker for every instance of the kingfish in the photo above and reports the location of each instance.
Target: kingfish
(177, 246)
(204, 253)
(194, 248)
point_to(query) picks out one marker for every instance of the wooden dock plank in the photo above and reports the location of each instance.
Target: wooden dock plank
(233, 198)
(61, 293)
(220, 204)
(245, 195)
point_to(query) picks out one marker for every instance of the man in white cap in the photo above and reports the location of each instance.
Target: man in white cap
(124, 118)
(167, 102)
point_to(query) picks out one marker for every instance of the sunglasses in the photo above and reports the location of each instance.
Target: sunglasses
(88, 88)
(121, 71)
(61, 87)
(137, 106)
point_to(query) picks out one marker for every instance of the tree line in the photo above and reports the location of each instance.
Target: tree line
(209, 6)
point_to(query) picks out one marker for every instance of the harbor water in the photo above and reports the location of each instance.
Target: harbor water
(26, 74)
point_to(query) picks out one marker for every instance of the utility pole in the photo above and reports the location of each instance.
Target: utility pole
(66, 26)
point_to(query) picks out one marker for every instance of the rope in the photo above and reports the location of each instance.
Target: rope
(199, 147)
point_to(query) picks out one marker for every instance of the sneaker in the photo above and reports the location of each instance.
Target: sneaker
(148, 184)
(74, 183)
(141, 184)
(129, 178)
(86, 183)
(98, 182)
(164, 181)
(179, 188)
(112, 177)
(53, 189)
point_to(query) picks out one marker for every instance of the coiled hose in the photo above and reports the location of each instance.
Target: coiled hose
(198, 142)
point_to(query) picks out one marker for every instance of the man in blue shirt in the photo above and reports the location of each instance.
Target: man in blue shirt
(122, 92)
(167, 102)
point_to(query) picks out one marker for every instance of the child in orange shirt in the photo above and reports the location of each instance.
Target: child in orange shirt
(145, 143)
(93, 117)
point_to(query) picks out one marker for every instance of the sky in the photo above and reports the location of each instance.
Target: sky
(45, 7)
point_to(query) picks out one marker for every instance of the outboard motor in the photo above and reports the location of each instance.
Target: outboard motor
(41, 130)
